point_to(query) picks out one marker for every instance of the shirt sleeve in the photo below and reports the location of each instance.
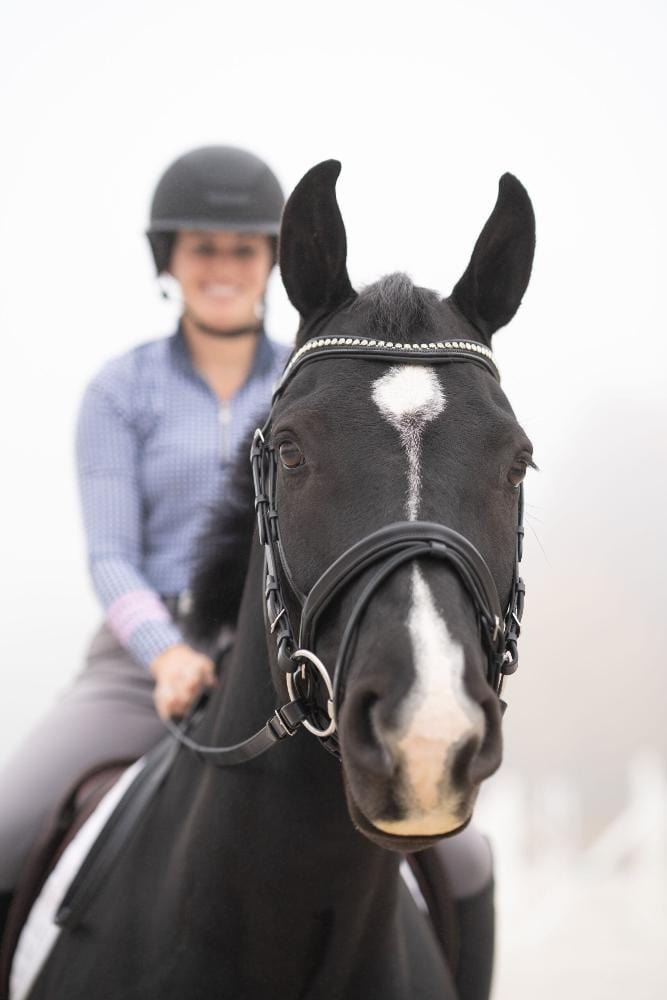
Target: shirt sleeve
(108, 449)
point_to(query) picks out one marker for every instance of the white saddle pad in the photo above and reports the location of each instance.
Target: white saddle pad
(40, 932)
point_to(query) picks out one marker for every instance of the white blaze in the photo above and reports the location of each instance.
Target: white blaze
(409, 397)
(438, 716)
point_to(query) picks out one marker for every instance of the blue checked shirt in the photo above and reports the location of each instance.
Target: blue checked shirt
(154, 450)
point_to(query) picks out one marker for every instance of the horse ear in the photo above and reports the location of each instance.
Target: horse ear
(490, 291)
(313, 245)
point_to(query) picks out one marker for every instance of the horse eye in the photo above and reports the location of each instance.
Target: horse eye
(517, 473)
(291, 455)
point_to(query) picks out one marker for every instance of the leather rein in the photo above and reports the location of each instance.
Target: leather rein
(315, 693)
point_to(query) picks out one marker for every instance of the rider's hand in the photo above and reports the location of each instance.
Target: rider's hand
(180, 673)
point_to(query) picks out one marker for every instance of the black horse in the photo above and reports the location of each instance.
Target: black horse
(388, 490)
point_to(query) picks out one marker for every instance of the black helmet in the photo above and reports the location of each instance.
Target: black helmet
(216, 187)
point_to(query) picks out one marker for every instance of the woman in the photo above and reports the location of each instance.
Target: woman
(157, 433)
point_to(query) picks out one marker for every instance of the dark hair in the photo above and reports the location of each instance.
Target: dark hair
(162, 245)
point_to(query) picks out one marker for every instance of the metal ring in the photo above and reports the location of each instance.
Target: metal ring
(305, 654)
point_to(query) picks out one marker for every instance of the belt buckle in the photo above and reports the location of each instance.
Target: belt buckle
(184, 603)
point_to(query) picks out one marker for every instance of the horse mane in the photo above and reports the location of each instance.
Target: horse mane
(223, 554)
(392, 308)
(395, 309)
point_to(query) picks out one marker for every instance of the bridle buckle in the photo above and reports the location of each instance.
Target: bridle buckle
(306, 657)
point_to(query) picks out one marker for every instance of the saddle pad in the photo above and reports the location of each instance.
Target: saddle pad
(412, 884)
(40, 932)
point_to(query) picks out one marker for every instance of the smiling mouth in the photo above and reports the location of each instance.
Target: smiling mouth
(220, 292)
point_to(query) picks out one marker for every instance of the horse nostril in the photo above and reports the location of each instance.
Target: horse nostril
(489, 754)
(364, 732)
(461, 768)
(374, 728)
(368, 729)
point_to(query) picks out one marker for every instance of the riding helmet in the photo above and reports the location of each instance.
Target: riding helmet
(215, 187)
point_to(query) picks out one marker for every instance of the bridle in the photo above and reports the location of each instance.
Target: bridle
(316, 694)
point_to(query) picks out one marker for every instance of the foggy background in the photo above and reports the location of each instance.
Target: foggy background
(426, 105)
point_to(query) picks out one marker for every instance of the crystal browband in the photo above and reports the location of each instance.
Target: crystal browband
(351, 345)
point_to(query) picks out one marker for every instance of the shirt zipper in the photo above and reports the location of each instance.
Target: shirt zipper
(225, 419)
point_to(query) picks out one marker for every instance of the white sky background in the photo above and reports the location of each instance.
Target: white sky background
(426, 105)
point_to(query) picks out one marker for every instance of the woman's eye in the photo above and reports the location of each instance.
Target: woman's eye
(203, 250)
(517, 473)
(291, 455)
(245, 252)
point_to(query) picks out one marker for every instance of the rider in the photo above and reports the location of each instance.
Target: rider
(157, 433)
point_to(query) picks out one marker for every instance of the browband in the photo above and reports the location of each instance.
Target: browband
(387, 350)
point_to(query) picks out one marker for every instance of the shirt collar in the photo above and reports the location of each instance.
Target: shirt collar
(263, 361)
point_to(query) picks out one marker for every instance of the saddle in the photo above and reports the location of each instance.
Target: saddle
(80, 803)
(62, 827)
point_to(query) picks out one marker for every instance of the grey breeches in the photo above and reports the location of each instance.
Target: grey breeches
(107, 713)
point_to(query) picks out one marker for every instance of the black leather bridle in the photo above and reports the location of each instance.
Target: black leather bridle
(316, 694)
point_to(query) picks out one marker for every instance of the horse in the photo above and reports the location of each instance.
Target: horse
(379, 611)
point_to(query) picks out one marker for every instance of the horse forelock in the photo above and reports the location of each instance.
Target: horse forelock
(395, 309)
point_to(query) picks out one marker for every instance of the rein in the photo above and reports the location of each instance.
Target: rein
(316, 694)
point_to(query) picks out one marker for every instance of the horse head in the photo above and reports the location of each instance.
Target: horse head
(380, 432)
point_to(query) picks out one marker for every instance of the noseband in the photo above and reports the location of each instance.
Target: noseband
(315, 692)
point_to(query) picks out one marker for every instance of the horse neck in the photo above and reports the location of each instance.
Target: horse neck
(277, 830)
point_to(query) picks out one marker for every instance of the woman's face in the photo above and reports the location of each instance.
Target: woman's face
(222, 275)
